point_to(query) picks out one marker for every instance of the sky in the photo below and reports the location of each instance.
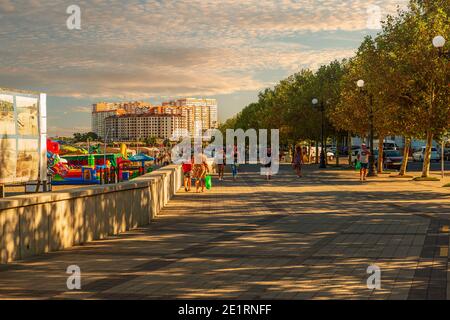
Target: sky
(156, 50)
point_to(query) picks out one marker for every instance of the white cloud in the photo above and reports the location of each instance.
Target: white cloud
(142, 48)
(6, 6)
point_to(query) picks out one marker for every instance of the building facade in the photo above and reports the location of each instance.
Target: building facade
(103, 110)
(188, 112)
(194, 110)
(98, 121)
(131, 127)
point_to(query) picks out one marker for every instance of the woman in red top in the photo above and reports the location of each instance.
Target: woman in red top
(187, 169)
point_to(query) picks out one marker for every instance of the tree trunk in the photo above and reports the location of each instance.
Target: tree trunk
(380, 153)
(404, 166)
(427, 155)
(349, 149)
(316, 156)
(338, 138)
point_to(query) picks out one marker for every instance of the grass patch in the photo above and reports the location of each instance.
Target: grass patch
(426, 179)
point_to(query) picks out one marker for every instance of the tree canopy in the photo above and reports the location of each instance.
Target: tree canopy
(406, 86)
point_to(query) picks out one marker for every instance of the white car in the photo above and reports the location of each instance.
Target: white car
(419, 155)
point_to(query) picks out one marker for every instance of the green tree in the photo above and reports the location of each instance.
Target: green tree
(424, 75)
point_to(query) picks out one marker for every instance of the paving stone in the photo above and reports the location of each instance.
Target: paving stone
(250, 239)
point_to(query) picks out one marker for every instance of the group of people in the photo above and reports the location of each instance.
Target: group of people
(197, 168)
(363, 159)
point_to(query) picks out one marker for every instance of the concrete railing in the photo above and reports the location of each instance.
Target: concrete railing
(40, 223)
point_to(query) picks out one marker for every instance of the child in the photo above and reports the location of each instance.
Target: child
(187, 169)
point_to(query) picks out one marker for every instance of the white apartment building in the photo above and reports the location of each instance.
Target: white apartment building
(98, 121)
(103, 110)
(130, 127)
(193, 110)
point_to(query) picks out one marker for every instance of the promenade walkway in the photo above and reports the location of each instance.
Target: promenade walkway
(290, 238)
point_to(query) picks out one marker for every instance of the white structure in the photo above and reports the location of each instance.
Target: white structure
(23, 136)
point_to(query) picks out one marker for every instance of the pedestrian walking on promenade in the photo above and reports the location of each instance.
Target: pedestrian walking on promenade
(221, 166)
(268, 165)
(235, 164)
(363, 158)
(187, 172)
(297, 161)
(200, 170)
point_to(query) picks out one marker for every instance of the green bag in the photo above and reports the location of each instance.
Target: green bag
(358, 165)
(208, 182)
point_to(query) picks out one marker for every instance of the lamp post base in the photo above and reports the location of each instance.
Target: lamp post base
(323, 163)
(372, 169)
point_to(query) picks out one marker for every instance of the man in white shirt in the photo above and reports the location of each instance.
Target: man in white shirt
(363, 158)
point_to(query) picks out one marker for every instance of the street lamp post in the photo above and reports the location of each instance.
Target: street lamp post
(89, 144)
(105, 146)
(439, 43)
(443, 159)
(323, 163)
(372, 169)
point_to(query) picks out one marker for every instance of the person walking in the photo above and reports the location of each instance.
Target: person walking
(187, 171)
(235, 164)
(268, 165)
(221, 166)
(200, 170)
(297, 161)
(363, 158)
(305, 155)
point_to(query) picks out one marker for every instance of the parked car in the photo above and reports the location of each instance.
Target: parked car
(419, 155)
(387, 145)
(392, 159)
(447, 154)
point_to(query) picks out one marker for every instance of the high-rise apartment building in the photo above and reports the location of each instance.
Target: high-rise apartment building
(194, 110)
(103, 110)
(130, 127)
(188, 112)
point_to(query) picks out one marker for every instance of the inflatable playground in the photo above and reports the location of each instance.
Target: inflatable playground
(72, 165)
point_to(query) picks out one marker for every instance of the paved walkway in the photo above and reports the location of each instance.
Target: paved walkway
(310, 238)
